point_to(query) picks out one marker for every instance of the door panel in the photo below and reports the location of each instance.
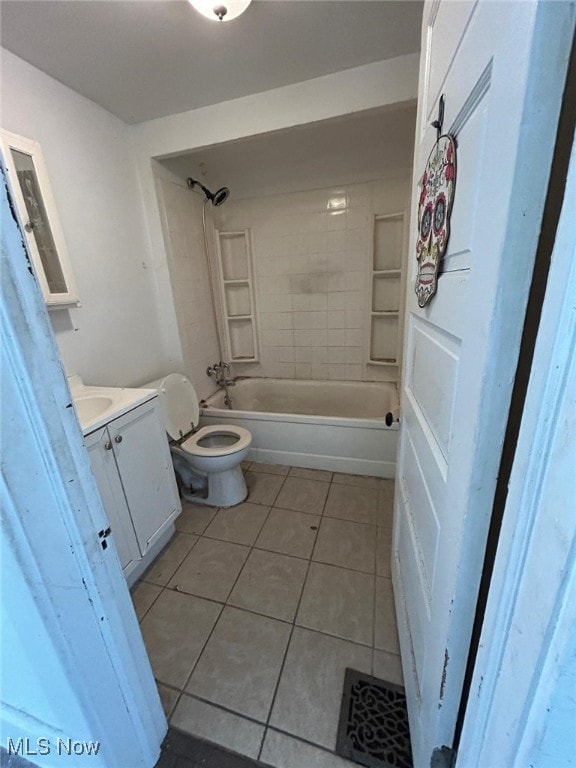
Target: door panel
(444, 32)
(460, 351)
(432, 377)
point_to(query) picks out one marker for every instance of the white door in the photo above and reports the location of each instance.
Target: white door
(501, 67)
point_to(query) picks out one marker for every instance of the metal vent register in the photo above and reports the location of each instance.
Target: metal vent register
(373, 728)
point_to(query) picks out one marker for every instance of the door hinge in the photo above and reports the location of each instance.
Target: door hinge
(443, 757)
(103, 535)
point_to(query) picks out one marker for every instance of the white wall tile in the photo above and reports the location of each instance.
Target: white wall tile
(276, 321)
(354, 318)
(301, 302)
(282, 303)
(337, 319)
(318, 320)
(319, 354)
(318, 302)
(319, 338)
(269, 353)
(302, 338)
(286, 370)
(354, 337)
(355, 281)
(356, 300)
(286, 354)
(336, 337)
(354, 355)
(336, 354)
(312, 268)
(336, 220)
(301, 320)
(319, 371)
(336, 372)
(337, 300)
(304, 355)
(353, 372)
(303, 371)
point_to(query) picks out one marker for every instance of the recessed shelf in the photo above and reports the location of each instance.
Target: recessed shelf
(386, 292)
(384, 338)
(388, 236)
(234, 255)
(238, 300)
(386, 272)
(237, 295)
(241, 334)
(384, 310)
(383, 362)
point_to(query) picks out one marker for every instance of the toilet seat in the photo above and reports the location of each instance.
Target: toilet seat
(191, 444)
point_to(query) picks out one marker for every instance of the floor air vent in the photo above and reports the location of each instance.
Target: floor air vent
(373, 728)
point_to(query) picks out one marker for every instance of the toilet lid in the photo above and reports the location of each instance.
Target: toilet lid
(179, 405)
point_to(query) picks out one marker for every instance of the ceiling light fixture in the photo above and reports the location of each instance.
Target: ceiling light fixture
(220, 11)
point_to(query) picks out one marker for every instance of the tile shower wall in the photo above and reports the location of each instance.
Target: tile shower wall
(181, 212)
(312, 259)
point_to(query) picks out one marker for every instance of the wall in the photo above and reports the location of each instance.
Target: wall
(313, 280)
(374, 86)
(114, 338)
(181, 214)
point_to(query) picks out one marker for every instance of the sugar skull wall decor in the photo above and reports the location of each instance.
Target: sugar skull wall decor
(434, 209)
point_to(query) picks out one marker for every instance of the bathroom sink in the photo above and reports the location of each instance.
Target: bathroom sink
(92, 406)
(97, 406)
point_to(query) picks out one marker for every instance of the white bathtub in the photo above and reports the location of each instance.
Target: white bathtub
(334, 425)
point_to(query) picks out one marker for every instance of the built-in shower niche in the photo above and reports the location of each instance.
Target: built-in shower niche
(235, 272)
(387, 261)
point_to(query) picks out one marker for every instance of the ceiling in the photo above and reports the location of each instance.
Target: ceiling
(326, 153)
(143, 59)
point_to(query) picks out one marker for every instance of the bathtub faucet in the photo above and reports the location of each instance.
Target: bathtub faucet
(219, 372)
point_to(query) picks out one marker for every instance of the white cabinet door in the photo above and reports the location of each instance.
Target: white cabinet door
(110, 487)
(142, 455)
(501, 67)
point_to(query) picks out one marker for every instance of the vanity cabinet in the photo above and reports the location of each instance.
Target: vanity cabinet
(132, 465)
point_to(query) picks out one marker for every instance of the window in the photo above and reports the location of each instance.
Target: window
(35, 204)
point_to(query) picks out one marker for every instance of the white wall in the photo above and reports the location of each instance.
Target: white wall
(383, 84)
(115, 337)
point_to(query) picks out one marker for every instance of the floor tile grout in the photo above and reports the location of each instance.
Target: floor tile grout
(224, 604)
(281, 671)
(321, 516)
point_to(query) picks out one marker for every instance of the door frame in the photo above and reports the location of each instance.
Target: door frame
(536, 141)
(76, 597)
(517, 711)
(544, 288)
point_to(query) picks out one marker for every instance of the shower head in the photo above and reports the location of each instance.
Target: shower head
(220, 196)
(216, 198)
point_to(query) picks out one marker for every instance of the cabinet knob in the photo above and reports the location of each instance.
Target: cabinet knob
(118, 439)
(108, 446)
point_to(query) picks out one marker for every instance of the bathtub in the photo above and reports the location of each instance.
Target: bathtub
(333, 425)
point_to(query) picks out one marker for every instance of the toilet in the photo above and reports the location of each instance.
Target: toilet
(206, 460)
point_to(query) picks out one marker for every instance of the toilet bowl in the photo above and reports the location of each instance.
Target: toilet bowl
(206, 460)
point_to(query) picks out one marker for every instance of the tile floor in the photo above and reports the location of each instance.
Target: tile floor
(250, 615)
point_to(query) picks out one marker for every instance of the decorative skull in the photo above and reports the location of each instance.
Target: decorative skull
(434, 209)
